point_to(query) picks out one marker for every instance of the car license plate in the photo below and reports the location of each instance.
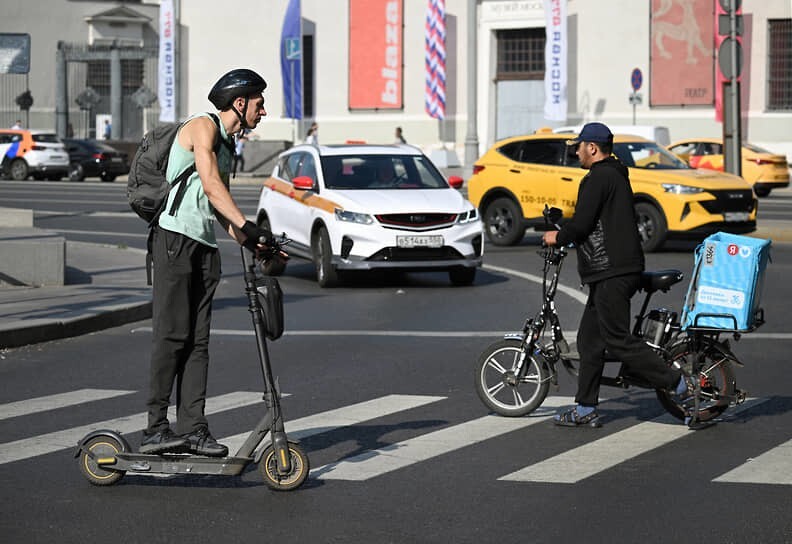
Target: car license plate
(419, 241)
(735, 216)
(116, 159)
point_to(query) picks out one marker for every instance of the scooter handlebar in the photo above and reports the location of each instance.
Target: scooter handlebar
(274, 248)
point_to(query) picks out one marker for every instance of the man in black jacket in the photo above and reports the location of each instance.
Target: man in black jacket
(610, 262)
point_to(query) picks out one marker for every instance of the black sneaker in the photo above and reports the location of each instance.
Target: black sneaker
(571, 418)
(161, 441)
(202, 442)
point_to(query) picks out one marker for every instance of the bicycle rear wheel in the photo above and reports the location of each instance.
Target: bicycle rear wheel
(718, 384)
(499, 388)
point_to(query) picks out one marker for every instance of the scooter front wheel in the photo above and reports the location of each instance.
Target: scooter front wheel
(300, 467)
(100, 447)
(497, 383)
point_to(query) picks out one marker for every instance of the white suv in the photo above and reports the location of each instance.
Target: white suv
(365, 207)
(32, 152)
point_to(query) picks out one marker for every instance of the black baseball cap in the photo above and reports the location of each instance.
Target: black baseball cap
(593, 132)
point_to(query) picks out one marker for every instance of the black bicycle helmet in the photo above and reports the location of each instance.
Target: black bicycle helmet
(239, 82)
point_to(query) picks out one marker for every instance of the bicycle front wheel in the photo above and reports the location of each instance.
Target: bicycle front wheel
(718, 384)
(497, 384)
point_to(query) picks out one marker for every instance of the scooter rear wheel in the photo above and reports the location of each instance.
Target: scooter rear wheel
(100, 447)
(300, 467)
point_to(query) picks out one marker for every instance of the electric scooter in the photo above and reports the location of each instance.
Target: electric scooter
(105, 456)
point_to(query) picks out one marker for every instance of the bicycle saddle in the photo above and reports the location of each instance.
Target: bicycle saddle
(660, 280)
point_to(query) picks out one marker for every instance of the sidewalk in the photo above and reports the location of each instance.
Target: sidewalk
(106, 287)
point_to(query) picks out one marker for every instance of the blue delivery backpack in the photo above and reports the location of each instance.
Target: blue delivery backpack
(726, 287)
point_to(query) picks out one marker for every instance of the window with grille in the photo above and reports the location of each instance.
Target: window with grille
(779, 64)
(98, 75)
(521, 53)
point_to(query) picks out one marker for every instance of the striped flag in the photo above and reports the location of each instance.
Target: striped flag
(435, 59)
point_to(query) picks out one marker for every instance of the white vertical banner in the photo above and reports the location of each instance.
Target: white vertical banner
(555, 60)
(167, 63)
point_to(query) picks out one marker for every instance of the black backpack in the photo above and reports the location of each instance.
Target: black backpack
(147, 188)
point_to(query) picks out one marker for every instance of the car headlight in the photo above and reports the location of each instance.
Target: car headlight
(681, 189)
(353, 217)
(468, 216)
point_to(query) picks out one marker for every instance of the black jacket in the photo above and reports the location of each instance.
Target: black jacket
(604, 226)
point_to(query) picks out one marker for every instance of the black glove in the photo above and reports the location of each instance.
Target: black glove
(255, 235)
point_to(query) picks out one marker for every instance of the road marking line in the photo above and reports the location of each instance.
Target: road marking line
(591, 458)
(54, 402)
(68, 438)
(772, 467)
(341, 417)
(576, 294)
(402, 454)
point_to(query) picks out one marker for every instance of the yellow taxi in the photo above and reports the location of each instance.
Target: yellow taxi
(516, 177)
(763, 169)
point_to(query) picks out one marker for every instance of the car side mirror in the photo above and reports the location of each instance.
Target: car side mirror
(304, 183)
(455, 182)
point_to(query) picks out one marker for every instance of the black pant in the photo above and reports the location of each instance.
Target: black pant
(606, 324)
(186, 274)
(239, 163)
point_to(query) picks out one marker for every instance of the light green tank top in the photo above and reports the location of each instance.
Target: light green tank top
(195, 216)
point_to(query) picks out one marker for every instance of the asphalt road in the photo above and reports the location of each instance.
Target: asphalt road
(379, 382)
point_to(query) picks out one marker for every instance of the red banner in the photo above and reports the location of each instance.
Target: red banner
(682, 53)
(376, 54)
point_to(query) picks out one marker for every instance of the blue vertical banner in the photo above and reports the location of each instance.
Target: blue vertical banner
(291, 61)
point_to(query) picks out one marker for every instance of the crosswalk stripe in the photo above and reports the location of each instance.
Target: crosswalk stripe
(68, 438)
(591, 458)
(342, 417)
(54, 402)
(772, 467)
(401, 454)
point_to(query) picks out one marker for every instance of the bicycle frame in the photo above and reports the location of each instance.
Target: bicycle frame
(534, 327)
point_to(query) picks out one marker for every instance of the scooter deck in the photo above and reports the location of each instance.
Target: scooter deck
(174, 464)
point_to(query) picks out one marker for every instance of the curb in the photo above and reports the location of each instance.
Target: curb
(93, 320)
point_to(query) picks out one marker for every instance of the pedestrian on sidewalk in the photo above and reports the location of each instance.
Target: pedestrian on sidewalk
(400, 136)
(312, 137)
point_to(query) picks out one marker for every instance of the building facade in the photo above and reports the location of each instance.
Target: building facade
(671, 43)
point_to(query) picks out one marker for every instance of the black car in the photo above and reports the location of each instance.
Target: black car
(92, 158)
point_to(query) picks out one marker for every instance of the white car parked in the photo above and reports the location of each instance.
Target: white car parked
(365, 207)
(36, 153)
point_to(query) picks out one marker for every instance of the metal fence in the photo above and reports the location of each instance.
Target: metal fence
(89, 68)
(11, 86)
